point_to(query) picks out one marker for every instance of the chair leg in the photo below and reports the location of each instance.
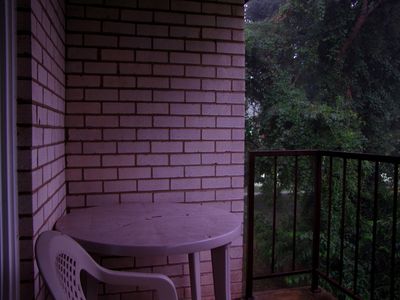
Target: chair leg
(194, 267)
(221, 272)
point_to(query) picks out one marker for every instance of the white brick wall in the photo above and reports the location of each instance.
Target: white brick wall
(155, 111)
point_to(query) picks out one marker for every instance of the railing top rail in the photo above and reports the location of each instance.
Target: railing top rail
(341, 154)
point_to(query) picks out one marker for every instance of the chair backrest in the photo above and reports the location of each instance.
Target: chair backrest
(60, 260)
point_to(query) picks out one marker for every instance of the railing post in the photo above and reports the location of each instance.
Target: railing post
(317, 222)
(250, 227)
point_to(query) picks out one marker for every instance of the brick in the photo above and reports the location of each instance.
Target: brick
(152, 134)
(238, 134)
(216, 134)
(169, 18)
(199, 96)
(101, 94)
(118, 134)
(135, 95)
(118, 28)
(83, 161)
(185, 134)
(237, 158)
(216, 9)
(135, 69)
(230, 194)
(100, 174)
(198, 147)
(185, 58)
(84, 134)
(85, 187)
(231, 73)
(236, 98)
(199, 171)
(200, 46)
(216, 110)
(185, 83)
(117, 55)
(120, 186)
(81, 53)
(101, 13)
(137, 16)
(199, 71)
(99, 147)
(73, 94)
(186, 6)
(74, 121)
(185, 109)
(230, 122)
(135, 42)
(201, 20)
(83, 108)
(166, 147)
(152, 30)
(215, 182)
(238, 85)
(199, 196)
(216, 84)
(100, 68)
(133, 147)
(168, 172)
(168, 44)
(118, 160)
(101, 121)
(100, 40)
(82, 25)
(229, 22)
(169, 70)
(230, 170)
(168, 96)
(73, 67)
(169, 197)
(238, 35)
(152, 108)
(134, 173)
(231, 48)
(152, 160)
(185, 159)
(153, 82)
(238, 182)
(83, 81)
(185, 32)
(200, 122)
(151, 56)
(118, 108)
(135, 121)
(216, 59)
(230, 146)
(153, 185)
(185, 184)
(169, 121)
(216, 158)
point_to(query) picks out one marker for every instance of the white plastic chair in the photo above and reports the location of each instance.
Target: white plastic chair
(61, 260)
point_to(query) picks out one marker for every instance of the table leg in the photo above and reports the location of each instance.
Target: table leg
(221, 272)
(194, 267)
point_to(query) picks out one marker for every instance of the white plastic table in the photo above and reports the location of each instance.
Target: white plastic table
(159, 230)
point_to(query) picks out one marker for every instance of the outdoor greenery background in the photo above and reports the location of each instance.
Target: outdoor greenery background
(325, 74)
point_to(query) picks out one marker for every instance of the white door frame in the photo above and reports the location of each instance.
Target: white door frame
(9, 250)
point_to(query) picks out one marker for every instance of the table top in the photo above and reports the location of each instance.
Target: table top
(146, 229)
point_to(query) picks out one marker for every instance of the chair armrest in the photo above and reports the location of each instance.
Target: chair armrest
(161, 283)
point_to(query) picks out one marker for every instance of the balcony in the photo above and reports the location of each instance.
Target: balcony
(324, 219)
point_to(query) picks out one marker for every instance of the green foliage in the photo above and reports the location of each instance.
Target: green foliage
(321, 74)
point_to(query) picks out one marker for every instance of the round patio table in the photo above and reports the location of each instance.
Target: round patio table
(147, 229)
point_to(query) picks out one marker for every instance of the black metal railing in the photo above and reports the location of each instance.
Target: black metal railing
(353, 228)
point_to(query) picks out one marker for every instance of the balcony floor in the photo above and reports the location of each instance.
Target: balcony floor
(293, 294)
